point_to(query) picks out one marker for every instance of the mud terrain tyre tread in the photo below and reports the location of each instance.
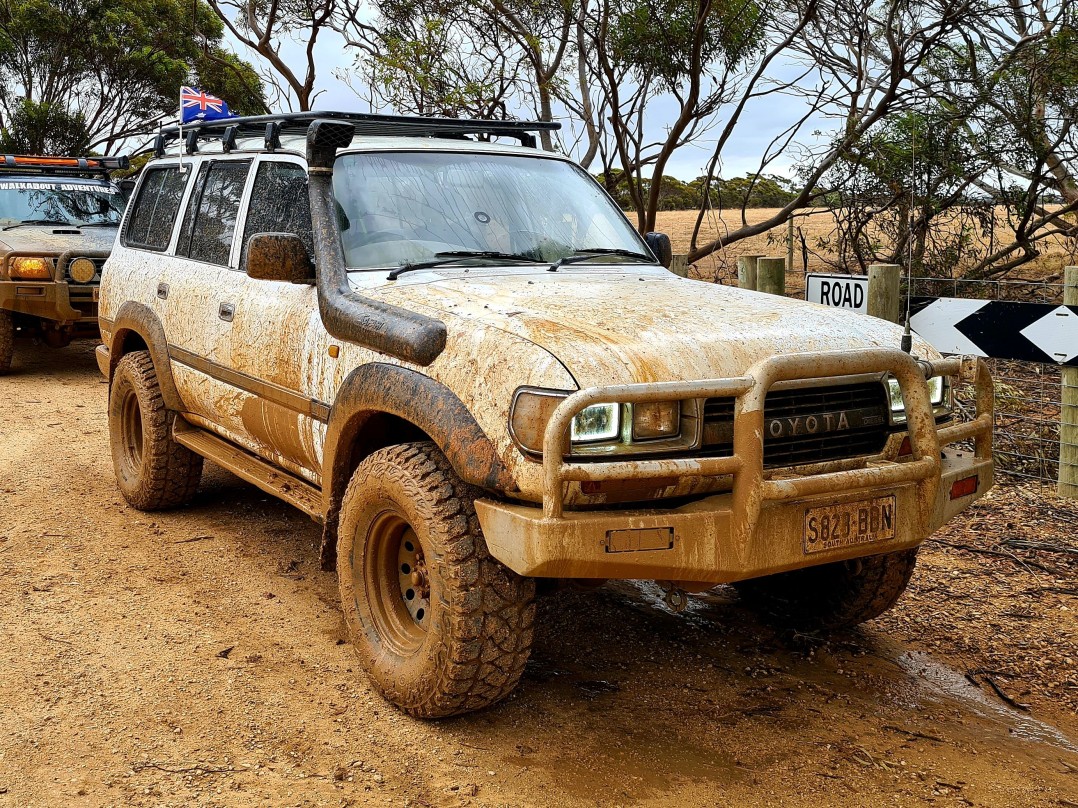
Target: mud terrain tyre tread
(481, 623)
(7, 341)
(833, 596)
(169, 473)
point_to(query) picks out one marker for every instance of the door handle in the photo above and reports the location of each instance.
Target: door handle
(162, 291)
(226, 311)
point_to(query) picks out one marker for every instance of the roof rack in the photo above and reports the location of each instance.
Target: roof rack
(272, 127)
(40, 164)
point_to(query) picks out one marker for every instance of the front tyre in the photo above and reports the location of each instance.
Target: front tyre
(7, 341)
(153, 471)
(439, 625)
(832, 596)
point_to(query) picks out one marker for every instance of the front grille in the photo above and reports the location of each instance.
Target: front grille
(863, 407)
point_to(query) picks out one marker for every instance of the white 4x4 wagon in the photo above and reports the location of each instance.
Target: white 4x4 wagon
(462, 360)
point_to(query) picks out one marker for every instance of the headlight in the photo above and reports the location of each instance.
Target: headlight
(81, 270)
(656, 419)
(604, 428)
(31, 269)
(599, 422)
(939, 394)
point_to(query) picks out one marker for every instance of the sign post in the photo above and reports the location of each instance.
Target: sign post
(771, 275)
(1068, 411)
(884, 299)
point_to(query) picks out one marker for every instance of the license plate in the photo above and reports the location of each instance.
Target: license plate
(849, 523)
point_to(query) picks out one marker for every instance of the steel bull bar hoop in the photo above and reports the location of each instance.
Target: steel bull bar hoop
(746, 464)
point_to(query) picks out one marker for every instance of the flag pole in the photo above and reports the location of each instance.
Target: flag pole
(183, 169)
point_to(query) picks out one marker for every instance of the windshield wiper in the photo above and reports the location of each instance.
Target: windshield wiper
(27, 222)
(98, 224)
(452, 256)
(588, 253)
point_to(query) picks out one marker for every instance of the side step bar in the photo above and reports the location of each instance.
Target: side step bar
(255, 470)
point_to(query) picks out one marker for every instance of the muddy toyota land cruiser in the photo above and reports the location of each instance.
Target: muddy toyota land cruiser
(460, 358)
(58, 219)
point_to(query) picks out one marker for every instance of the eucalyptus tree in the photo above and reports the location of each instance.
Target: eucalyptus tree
(86, 74)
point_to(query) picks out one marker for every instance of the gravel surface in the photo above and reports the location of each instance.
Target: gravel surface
(198, 657)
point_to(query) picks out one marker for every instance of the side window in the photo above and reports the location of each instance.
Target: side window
(153, 212)
(210, 221)
(279, 204)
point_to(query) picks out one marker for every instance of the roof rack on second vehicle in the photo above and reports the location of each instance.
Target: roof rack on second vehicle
(42, 164)
(271, 127)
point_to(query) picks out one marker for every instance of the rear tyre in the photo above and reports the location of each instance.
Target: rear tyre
(439, 625)
(7, 341)
(833, 596)
(153, 472)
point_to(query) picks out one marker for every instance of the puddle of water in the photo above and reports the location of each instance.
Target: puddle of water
(953, 684)
(929, 674)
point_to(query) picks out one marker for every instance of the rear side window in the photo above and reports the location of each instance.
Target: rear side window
(153, 212)
(279, 204)
(210, 222)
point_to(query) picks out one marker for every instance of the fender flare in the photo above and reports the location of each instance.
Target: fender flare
(139, 319)
(378, 388)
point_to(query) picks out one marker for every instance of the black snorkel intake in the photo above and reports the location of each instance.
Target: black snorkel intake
(346, 315)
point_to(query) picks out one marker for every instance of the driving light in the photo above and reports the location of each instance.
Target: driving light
(595, 423)
(82, 270)
(31, 269)
(656, 419)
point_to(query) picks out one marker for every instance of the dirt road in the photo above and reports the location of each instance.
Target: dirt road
(198, 657)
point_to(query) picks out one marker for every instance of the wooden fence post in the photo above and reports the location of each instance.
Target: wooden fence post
(771, 275)
(746, 271)
(883, 291)
(679, 265)
(1068, 411)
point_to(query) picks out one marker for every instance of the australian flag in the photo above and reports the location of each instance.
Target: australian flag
(196, 105)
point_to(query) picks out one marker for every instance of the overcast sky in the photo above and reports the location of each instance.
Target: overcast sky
(759, 124)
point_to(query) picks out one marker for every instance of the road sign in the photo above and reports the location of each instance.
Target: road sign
(1033, 332)
(839, 291)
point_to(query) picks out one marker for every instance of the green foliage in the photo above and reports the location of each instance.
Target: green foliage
(44, 129)
(113, 64)
(735, 193)
(656, 37)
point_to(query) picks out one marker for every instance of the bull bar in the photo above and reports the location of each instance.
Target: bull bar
(746, 463)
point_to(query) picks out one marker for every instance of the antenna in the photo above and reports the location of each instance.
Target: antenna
(907, 334)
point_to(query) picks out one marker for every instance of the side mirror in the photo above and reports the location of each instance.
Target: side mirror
(278, 257)
(659, 243)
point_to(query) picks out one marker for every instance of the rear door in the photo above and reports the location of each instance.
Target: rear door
(202, 288)
(275, 336)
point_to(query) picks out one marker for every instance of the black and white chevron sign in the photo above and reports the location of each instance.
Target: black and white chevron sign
(1033, 332)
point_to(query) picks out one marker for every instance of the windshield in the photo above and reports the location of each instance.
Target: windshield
(403, 207)
(58, 202)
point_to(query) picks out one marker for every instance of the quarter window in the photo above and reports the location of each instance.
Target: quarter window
(153, 213)
(210, 222)
(279, 204)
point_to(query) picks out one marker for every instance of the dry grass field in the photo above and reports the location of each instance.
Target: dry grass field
(816, 226)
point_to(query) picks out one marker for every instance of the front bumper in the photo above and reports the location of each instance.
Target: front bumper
(50, 300)
(758, 528)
